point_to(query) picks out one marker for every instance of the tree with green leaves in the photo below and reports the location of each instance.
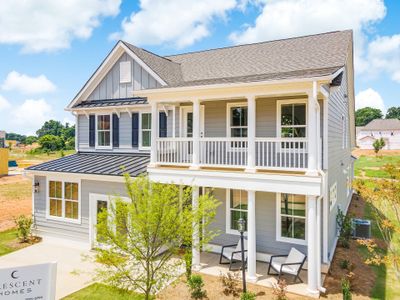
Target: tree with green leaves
(51, 127)
(393, 113)
(366, 115)
(144, 233)
(50, 142)
(378, 145)
(30, 140)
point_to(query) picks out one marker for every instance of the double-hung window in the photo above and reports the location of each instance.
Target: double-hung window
(63, 200)
(236, 209)
(237, 123)
(291, 218)
(145, 130)
(292, 119)
(103, 130)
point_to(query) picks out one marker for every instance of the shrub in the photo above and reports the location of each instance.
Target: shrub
(280, 290)
(248, 296)
(346, 289)
(344, 264)
(196, 285)
(230, 283)
(24, 225)
(345, 228)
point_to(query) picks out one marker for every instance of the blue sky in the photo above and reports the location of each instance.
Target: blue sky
(50, 48)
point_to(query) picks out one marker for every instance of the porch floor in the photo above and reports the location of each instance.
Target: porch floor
(211, 266)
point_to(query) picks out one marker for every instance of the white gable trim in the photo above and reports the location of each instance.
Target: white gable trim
(105, 67)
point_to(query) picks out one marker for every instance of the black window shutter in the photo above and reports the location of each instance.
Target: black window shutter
(135, 129)
(115, 125)
(92, 130)
(163, 124)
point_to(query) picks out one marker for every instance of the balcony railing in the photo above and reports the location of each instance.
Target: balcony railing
(270, 153)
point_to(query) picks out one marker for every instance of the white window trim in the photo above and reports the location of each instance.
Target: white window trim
(111, 131)
(279, 104)
(228, 115)
(63, 180)
(141, 147)
(183, 110)
(279, 236)
(228, 228)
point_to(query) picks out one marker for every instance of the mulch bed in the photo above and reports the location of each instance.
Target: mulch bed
(364, 277)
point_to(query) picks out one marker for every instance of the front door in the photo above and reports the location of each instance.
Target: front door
(187, 121)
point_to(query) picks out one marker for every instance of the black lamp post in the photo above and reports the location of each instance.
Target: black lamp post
(241, 229)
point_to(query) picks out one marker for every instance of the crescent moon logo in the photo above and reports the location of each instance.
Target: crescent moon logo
(13, 274)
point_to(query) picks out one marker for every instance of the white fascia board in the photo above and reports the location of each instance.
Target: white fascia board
(241, 84)
(120, 108)
(66, 176)
(303, 185)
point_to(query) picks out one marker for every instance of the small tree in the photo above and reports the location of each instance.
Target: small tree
(378, 145)
(24, 226)
(384, 200)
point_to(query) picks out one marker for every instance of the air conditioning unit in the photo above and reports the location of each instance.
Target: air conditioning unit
(361, 228)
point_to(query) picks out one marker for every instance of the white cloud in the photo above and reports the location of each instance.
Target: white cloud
(30, 115)
(68, 120)
(26, 84)
(370, 98)
(48, 25)
(383, 55)
(176, 22)
(4, 104)
(288, 18)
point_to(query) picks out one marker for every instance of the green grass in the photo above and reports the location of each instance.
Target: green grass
(19, 154)
(98, 291)
(8, 239)
(371, 166)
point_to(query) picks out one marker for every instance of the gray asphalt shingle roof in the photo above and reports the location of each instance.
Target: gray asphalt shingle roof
(111, 102)
(383, 124)
(299, 57)
(97, 164)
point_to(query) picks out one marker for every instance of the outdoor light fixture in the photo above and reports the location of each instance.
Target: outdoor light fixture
(36, 187)
(241, 228)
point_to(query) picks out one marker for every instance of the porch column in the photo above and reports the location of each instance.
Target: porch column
(312, 241)
(196, 134)
(154, 133)
(251, 133)
(251, 236)
(196, 232)
(312, 130)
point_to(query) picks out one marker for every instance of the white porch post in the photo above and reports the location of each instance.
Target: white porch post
(312, 240)
(251, 133)
(196, 232)
(154, 134)
(251, 236)
(196, 134)
(312, 130)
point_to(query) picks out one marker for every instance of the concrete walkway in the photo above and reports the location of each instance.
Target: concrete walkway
(74, 271)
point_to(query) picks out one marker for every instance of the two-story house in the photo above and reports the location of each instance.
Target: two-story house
(268, 126)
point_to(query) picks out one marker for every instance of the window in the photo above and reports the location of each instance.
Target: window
(145, 132)
(332, 195)
(291, 221)
(104, 130)
(292, 119)
(63, 200)
(237, 120)
(236, 201)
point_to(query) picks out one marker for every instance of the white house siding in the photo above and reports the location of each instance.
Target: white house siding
(111, 88)
(265, 225)
(366, 138)
(60, 229)
(338, 158)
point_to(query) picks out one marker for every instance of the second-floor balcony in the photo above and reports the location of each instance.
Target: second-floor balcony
(270, 153)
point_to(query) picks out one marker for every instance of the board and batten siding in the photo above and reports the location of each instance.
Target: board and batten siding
(60, 229)
(111, 88)
(338, 158)
(265, 225)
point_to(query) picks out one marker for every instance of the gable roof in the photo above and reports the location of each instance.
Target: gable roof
(383, 124)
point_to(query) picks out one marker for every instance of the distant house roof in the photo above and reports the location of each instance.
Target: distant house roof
(383, 124)
(111, 102)
(359, 128)
(299, 57)
(97, 164)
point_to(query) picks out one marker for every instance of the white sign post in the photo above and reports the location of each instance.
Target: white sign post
(35, 282)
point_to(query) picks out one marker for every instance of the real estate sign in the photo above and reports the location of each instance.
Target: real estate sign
(35, 282)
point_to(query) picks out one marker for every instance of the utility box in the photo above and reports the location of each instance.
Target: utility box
(361, 229)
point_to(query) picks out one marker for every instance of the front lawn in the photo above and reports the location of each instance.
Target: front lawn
(9, 242)
(98, 291)
(371, 166)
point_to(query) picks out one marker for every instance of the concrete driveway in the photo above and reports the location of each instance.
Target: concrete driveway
(74, 271)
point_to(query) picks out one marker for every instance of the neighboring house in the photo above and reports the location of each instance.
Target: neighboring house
(3, 139)
(388, 129)
(268, 126)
